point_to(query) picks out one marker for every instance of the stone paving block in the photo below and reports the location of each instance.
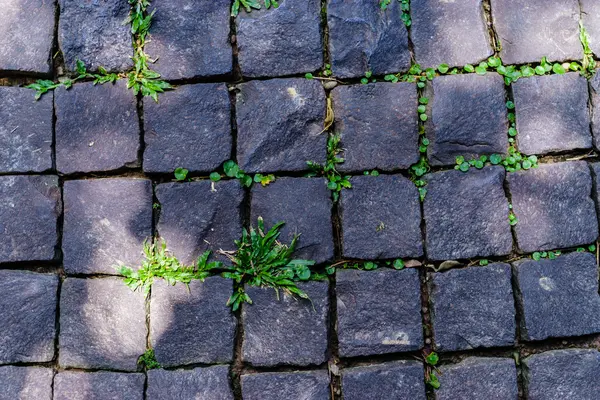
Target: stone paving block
(280, 41)
(28, 301)
(401, 380)
(26, 383)
(562, 374)
(365, 38)
(385, 321)
(554, 206)
(287, 330)
(211, 221)
(192, 324)
(102, 324)
(590, 14)
(545, 121)
(97, 128)
(27, 35)
(468, 118)
(466, 214)
(378, 125)
(381, 218)
(199, 383)
(189, 128)
(595, 108)
(558, 298)
(190, 43)
(305, 385)
(94, 33)
(295, 109)
(479, 378)
(105, 224)
(450, 32)
(102, 385)
(29, 209)
(528, 31)
(25, 131)
(310, 217)
(473, 307)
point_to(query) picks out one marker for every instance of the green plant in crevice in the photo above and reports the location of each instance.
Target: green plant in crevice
(248, 5)
(538, 255)
(512, 218)
(431, 360)
(421, 167)
(588, 63)
(591, 248)
(181, 174)
(335, 180)
(404, 6)
(147, 361)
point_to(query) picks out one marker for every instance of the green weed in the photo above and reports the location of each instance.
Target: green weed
(336, 181)
(248, 5)
(404, 6)
(148, 360)
(181, 174)
(588, 63)
(538, 255)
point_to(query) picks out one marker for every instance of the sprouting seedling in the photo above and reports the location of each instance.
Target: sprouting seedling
(336, 181)
(181, 174)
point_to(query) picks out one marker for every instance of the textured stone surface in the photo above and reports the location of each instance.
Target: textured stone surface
(210, 220)
(71, 385)
(198, 314)
(26, 383)
(105, 224)
(200, 383)
(311, 217)
(295, 109)
(365, 38)
(305, 385)
(472, 308)
(280, 41)
(546, 121)
(479, 378)
(25, 131)
(562, 374)
(94, 33)
(378, 125)
(28, 303)
(381, 218)
(29, 209)
(401, 380)
(190, 38)
(27, 35)
(595, 105)
(468, 118)
(102, 324)
(466, 214)
(387, 320)
(558, 297)
(534, 29)
(189, 128)
(554, 207)
(451, 32)
(97, 128)
(286, 331)
(591, 21)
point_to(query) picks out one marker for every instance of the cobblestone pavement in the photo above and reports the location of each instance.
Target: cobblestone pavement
(501, 266)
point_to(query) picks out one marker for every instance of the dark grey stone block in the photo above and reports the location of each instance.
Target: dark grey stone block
(186, 45)
(295, 109)
(305, 385)
(451, 32)
(562, 374)
(72, 385)
(595, 105)
(478, 378)
(466, 214)
(102, 324)
(558, 298)
(211, 222)
(280, 41)
(554, 206)
(546, 121)
(97, 128)
(530, 30)
(29, 209)
(25, 131)
(26, 383)
(468, 118)
(381, 218)
(378, 125)
(385, 321)
(401, 380)
(199, 383)
(283, 329)
(365, 38)
(189, 128)
(591, 21)
(94, 33)
(28, 301)
(105, 224)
